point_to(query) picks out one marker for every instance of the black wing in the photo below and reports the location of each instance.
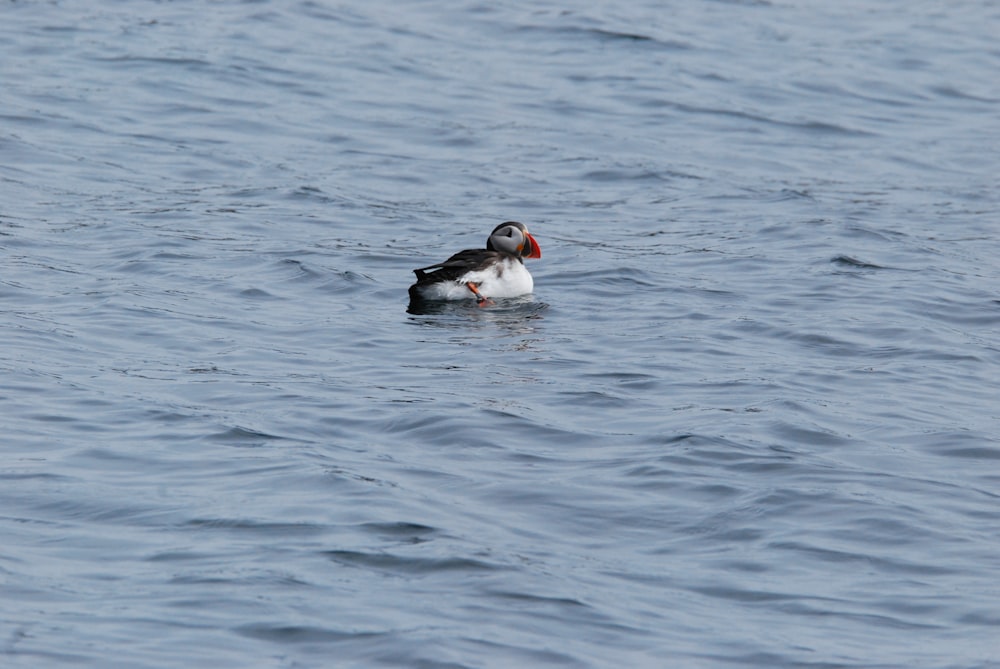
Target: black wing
(451, 269)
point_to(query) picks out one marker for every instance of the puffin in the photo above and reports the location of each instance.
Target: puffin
(496, 271)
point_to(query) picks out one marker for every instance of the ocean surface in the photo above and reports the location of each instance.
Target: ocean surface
(750, 416)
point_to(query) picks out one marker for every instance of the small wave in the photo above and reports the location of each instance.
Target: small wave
(610, 35)
(299, 633)
(243, 436)
(400, 531)
(850, 261)
(408, 565)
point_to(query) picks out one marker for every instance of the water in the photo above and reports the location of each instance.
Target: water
(749, 417)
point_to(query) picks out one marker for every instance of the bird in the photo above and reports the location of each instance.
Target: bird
(496, 271)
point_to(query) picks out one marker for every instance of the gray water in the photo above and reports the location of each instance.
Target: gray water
(749, 418)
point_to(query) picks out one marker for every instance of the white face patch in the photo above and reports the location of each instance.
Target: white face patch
(507, 239)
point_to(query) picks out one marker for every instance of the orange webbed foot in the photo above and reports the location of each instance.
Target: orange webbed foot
(481, 300)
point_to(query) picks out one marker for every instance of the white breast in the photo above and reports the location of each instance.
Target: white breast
(507, 278)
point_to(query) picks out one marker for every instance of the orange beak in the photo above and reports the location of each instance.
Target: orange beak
(536, 250)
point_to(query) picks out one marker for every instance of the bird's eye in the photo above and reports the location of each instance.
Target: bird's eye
(510, 232)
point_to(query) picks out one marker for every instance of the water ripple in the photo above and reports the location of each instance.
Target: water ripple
(747, 419)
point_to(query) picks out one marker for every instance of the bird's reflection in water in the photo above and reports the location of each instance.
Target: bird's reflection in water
(517, 314)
